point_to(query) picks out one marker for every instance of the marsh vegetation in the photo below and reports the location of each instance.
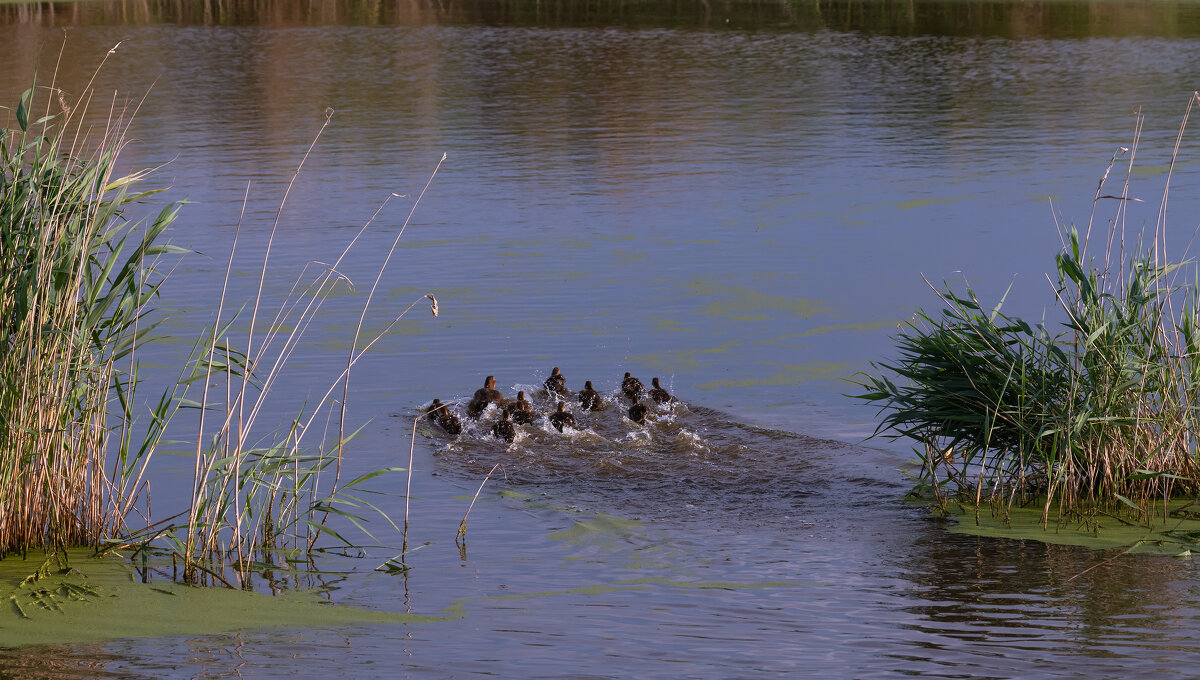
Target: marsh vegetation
(76, 282)
(1097, 410)
(674, 201)
(79, 281)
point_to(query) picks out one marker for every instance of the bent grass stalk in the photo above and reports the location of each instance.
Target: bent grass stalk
(251, 501)
(462, 526)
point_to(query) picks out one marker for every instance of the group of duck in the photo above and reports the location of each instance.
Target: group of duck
(520, 411)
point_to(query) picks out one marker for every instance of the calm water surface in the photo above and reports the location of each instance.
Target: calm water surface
(745, 209)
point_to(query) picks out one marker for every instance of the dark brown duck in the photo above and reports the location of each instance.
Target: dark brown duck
(504, 429)
(589, 398)
(631, 386)
(637, 412)
(488, 394)
(442, 415)
(556, 383)
(560, 418)
(521, 410)
(657, 393)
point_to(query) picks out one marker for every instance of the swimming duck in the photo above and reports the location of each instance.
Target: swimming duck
(556, 383)
(637, 412)
(442, 415)
(560, 418)
(521, 411)
(503, 429)
(488, 394)
(631, 386)
(588, 397)
(658, 393)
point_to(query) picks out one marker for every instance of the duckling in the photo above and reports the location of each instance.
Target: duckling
(521, 411)
(631, 386)
(556, 383)
(433, 409)
(588, 397)
(503, 429)
(442, 415)
(637, 412)
(658, 393)
(488, 394)
(560, 418)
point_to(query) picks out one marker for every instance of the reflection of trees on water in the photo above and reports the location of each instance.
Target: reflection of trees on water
(1020, 595)
(1004, 19)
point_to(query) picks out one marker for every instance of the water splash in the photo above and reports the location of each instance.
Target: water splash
(686, 459)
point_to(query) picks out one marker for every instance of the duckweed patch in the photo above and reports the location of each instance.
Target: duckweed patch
(1178, 533)
(71, 597)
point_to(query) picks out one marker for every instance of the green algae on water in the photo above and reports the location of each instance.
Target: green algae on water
(738, 303)
(790, 374)
(72, 597)
(862, 326)
(682, 360)
(922, 202)
(672, 326)
(600, 524)
(1177, 534)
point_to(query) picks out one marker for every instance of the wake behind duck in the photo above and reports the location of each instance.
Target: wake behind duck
(681, 455)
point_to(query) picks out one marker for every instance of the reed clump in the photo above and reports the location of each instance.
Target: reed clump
(75, 281)
(1099, 411)
(77, 284)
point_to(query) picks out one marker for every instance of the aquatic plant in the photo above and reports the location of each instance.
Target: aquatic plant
(76, 285)
(1101, 414)
(76, 279)
(255, 497)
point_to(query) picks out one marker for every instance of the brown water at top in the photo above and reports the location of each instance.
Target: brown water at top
(744, 208)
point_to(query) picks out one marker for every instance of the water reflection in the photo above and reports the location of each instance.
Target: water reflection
(922, 17)
(896, 594)
(745, 207)
(985, 597)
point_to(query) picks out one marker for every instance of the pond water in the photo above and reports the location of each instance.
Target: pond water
(741, 199)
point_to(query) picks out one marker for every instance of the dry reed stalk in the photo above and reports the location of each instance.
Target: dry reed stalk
(245, 499)
(462, 526)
